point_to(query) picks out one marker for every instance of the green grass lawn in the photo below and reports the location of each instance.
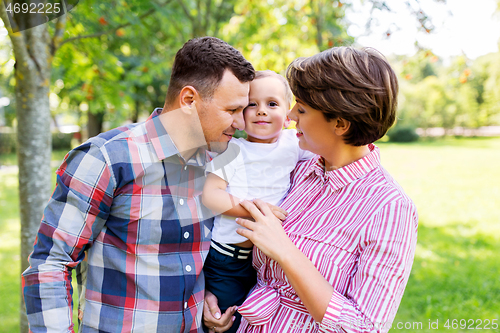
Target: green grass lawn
(455, 184)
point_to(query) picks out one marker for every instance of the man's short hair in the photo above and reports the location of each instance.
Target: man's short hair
(357, 85)
(268, 73)
(201, 63)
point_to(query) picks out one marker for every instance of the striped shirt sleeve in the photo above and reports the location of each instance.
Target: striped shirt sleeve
(384, 267)
(72, 219)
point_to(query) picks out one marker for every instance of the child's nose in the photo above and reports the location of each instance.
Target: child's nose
(261, 112)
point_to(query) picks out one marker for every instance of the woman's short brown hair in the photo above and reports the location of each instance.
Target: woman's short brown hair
(356, 85)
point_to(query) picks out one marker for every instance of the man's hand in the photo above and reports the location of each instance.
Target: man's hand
(212, 317)
(278, 211)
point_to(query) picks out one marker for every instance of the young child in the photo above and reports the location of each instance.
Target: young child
(256, 167)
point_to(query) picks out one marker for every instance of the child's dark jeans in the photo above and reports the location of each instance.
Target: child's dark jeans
(229, 275)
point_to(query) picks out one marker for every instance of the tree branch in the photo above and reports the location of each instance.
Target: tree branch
(179, 29)
(98, 34)
(17, 38)
(207, 15)
(218, 17)
(58, 34)
(186, 11)
(196, 28)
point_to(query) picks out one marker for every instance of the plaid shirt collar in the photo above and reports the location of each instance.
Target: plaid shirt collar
(163, 145)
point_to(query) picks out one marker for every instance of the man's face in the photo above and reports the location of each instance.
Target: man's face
(223, 114)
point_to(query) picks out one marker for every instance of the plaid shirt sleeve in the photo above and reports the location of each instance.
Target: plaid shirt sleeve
(72, 220)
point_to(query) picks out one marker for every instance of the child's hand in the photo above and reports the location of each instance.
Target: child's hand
(278, 211)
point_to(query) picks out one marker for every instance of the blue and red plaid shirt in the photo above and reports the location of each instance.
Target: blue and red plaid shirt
(129, 198)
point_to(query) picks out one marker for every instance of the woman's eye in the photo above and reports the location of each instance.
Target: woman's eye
(300, 111)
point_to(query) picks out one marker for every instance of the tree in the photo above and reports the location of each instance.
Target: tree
(33, 50)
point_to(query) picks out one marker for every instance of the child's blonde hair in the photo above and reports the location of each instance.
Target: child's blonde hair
(269, 73)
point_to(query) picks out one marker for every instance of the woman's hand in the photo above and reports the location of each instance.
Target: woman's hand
(278, 211)
(266, 232)
(212, 317)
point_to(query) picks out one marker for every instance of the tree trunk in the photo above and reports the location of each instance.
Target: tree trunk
(33, 51)
(34, 140)
(94, 123)
(135, 113)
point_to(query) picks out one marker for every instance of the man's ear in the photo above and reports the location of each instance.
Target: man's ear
(341, 126)
(187, 98)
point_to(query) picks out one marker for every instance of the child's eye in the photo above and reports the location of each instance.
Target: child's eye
(274, 104)
(251, 104)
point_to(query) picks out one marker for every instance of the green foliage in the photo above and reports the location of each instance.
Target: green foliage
(272, 33)
(62, 141)
(464, 93)
(8, 142)
(402, 134)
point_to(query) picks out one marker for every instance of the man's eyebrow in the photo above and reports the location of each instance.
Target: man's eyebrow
(236, 107)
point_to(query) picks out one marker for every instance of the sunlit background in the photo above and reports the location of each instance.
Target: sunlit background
(112, 67)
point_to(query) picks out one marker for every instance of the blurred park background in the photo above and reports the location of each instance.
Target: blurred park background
(108, 63)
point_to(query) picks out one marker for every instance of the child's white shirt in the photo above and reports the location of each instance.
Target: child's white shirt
(255, 170)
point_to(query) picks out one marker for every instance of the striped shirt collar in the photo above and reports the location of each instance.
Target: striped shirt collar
(341, 177)
(163, 145)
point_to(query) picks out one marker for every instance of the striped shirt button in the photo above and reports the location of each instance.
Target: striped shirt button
(186, 235)
(188, 268)
(181, 202)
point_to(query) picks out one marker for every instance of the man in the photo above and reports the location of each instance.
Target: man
(131, 197)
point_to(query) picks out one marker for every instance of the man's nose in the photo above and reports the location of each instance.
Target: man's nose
(238, 120)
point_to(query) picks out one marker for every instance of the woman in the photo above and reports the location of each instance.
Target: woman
(341, 259)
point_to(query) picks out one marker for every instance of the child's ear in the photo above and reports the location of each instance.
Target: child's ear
(287, 122)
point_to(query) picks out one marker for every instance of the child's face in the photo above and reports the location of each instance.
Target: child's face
(266, 112)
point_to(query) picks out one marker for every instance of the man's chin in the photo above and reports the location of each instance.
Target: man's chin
(217, 147)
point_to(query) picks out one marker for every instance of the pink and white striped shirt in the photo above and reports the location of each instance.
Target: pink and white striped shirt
(359, 229)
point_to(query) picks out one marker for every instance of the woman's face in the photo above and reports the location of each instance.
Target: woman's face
(315, 133)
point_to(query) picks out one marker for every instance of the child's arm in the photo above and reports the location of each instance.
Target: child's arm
(217, 199)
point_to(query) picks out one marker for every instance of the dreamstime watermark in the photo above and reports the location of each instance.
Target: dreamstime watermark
(350, 325)
(27, 14)
(448, 324)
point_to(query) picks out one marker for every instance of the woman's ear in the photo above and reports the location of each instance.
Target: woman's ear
(341, 126)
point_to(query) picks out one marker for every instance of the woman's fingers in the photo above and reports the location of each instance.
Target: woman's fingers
(252, 209)
(279, 215)
(263, 207)
(249, 225)
(278, 211)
